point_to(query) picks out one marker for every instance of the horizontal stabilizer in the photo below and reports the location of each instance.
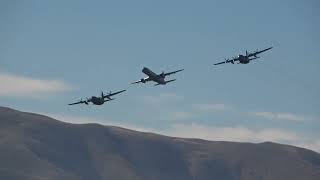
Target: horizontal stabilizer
(254, 58)
(170, 81)
(165, 82)
(109, 100)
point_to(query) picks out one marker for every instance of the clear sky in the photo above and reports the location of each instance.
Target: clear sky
(55, 52)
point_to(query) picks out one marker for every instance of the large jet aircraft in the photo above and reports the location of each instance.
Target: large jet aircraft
(244, 59)
(158, 78)
(98, 100)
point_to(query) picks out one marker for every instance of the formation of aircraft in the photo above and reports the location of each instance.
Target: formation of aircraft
(244, 59)
(159, 79)
(98, 100)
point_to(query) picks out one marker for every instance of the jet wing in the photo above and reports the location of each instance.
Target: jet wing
(168, 74)
(112, 94)
(258, 52)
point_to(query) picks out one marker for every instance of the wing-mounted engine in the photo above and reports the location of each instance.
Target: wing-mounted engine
(162, 74)
(86, 101)
(233, 59)
(143, 80)
(255, 53)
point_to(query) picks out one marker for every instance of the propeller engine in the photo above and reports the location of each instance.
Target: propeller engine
(162, 74)
(86, 101)
(232, 61)
(109, 95)
(255, 55)
(143, 81)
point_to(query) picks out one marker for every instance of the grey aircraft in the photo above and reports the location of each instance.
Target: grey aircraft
(158, 78)
(98, 100)
(244, 59)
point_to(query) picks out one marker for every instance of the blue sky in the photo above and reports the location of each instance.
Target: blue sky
(55, 52)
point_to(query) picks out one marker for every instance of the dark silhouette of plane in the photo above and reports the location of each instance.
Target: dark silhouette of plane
(158, 78)
(98, 100)
(244, 59)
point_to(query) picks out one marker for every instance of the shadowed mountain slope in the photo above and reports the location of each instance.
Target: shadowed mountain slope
(36, 147)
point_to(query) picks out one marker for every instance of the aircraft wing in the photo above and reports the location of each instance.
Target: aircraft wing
(143, 80)
(220, 63)
(136, 82)
(168, 74)
(112, 94)
(258, 52)
(79, 102)
(228, 61)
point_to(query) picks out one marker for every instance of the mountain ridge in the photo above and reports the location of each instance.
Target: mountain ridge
(34, 146)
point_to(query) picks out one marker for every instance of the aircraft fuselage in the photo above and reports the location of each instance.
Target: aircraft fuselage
(244, 59)
(97, 100)
(159, 78)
